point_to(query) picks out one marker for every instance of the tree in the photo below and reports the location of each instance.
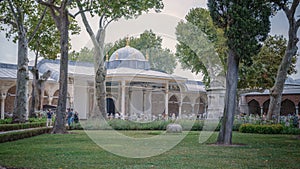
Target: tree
(108, 11)
(262, 73)
(289, 8)
(60, 15)
(199, 30)
(151, 46)
(46, 44)
(18, 17)
(245, 25)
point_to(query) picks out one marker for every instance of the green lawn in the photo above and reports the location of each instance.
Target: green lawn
(78, 151)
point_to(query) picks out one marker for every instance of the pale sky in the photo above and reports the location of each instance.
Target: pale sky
(162, 24)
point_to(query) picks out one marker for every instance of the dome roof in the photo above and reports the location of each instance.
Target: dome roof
(127, 53)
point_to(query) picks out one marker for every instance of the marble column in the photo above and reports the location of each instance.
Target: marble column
(167, 100)
(297, 110)
(123, 100)
(180, 107)
(261, 111)
(3, 97)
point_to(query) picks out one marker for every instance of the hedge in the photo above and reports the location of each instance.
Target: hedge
(23, 134)
(262, 129)
(118, 124)
(8, 127)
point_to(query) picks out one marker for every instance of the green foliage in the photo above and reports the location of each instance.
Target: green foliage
(149, 44)
(23, 134)
(262, 73)
(201, 46)
(120, 8)
(9, 127)
(245, 24)
(261, 129)
(6, 121)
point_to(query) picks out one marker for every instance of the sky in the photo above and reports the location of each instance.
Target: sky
(162, 24)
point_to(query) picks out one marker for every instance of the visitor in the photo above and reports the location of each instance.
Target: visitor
(76, 119)
(70, 117)
(49, 118)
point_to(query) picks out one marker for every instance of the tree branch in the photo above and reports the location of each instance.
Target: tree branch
(48, 4)
(86, 24)
(13, 11)
(109, 22)
(79, 12)
(294, 7)
(37, 26)
(297, 24)
(64, 4)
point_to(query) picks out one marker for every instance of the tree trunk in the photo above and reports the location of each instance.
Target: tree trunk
(100, 71)
(59, 125)
(291, 50)
(34, 93)
(21, 100)
(100, 75)
(225, 134)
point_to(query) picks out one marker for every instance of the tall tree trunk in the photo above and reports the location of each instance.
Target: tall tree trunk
(34, 93)
(291, 50)
(225, 134)
(59, 126)
(100, 71)
(100, 75)
(21, 100)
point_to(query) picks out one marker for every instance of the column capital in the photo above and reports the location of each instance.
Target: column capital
(3, 95)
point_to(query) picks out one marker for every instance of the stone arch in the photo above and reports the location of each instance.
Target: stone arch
(253, 107)
(266, 106)
(45, 100)
(10, 99)
(187, 107)
(287, 107)
(55, 97)
(173, 106)
(200, 107)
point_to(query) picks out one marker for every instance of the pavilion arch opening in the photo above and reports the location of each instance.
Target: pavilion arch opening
(254, 107)
(287, 108)
(44, 101)
(10, 100)
(158, 103)
(56, 96)
(200, 108)
(266, 106)
(187, 108)
(110, 107)
(173, 106)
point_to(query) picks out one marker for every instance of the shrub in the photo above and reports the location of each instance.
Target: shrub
(23, 134)
(6, 121)
(8, 127)
(291, 130)
(261, 129)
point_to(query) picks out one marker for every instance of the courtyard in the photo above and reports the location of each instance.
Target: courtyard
(77, 150)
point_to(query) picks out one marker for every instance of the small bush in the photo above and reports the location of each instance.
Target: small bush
(6, 121)
(291, 130)
(8, 127)
(23, 134)
(261, 129)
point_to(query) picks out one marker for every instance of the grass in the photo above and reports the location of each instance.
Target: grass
(79, 151)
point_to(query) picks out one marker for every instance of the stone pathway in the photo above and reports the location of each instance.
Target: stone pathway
(14, 131)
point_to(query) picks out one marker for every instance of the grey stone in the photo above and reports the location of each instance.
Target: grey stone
(174, 128)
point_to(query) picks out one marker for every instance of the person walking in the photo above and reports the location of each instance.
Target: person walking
(49, 118)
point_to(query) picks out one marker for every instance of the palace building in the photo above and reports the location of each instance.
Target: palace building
(135, 91)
